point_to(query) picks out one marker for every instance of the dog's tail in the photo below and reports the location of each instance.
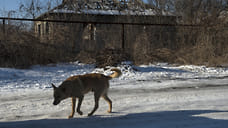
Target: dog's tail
(117, 73)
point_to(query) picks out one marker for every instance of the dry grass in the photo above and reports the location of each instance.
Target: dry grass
(24, 50)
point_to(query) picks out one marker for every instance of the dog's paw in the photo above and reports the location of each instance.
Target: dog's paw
(80, 112)
(109, 111)
(90, 114)
(70, 116)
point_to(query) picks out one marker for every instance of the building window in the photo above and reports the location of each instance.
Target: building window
(39, 29)
(47, 28)
(93, 32)
(90, 32)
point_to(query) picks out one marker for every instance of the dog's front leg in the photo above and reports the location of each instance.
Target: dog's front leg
(79, 105)
(96, 97)
(73, 107)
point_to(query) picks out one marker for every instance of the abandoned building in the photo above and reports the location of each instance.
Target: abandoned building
(95, 25)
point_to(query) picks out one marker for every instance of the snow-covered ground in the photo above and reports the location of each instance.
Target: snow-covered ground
(150, 96)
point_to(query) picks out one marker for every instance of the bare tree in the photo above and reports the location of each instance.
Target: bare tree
(162, 7)
(200, 11)
(31, 8)
(192, 11)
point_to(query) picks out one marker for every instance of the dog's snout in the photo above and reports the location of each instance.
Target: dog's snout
(56, 102)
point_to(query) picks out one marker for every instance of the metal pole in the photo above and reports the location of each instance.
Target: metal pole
(4, 30)
(123, 37)
(3, 22)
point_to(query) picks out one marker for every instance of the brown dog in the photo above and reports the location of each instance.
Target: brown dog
(77, 86)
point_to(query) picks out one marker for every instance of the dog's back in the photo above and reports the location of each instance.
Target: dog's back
(94, 82)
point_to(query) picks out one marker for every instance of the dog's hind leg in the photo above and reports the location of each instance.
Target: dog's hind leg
(96, 97)
(79, 105)
(105, 96)
(73, 107)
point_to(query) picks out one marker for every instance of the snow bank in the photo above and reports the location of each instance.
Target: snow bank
(151, 76)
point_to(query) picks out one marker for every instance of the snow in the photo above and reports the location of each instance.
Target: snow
(145, 12)
(155, 95)
(111, 9)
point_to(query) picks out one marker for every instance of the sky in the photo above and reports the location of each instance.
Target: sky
(9, 4)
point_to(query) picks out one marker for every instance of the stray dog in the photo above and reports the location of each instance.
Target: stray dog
(77, 86)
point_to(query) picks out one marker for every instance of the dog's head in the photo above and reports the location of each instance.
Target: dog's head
(59, 94)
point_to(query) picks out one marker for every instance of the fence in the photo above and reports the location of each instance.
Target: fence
(144, 42)
(103, 22)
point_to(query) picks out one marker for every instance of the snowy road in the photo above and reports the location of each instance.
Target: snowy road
(185, 107)
(154, 96)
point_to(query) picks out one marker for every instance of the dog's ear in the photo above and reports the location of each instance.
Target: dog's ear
(54, 87)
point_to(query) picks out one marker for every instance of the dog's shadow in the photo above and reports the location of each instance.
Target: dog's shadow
(105, 115)
(163, 119)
